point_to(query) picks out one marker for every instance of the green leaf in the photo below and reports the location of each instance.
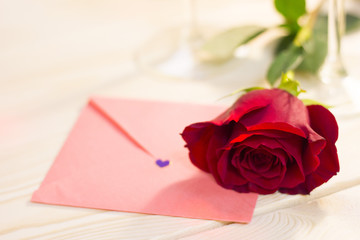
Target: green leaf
(287, 60)
(290, 85)
(291, 26)
(284, 43)
(315, 49)
(308, 102)
(241, 90)
(291, 9)
(352, 23)
(314, 54)
(222, 46)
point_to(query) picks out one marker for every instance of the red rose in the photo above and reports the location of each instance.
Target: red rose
(267, 141)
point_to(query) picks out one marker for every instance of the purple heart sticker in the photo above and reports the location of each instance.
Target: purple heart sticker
(162, 163)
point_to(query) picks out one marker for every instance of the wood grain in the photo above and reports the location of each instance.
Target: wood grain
(55, 54)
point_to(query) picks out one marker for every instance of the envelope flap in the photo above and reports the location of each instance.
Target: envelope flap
(98, 167)
(154, 126)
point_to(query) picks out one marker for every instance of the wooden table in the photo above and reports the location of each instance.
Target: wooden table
(55, 54)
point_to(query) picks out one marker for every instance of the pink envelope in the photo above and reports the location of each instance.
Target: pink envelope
(109, 162)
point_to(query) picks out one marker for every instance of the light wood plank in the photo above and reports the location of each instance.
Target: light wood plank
(55, 54)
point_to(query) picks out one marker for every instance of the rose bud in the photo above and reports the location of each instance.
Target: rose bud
(267, 141)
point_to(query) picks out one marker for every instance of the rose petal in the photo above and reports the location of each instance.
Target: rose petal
(267, 183)
(197, 137)
(272, 123)
(293, 176)
(281, 155)
(281, 107)
(239, 153)
(294, 147)
(272, 147)
(329, 162)
(220, 137)
(229, 175)
(323, 173)
(278, 126)
(272, 132)
(243, 161)
(253, 187)
(274, 171)
(255, 141)
(299, 189)
(261, 161)
(252, 101)
(241, 188)
(237, 130)
(315, 145)
(324, 123)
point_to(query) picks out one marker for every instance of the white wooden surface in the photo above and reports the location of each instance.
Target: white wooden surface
(55, 54)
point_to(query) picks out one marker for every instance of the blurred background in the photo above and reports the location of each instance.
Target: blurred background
(55, 54)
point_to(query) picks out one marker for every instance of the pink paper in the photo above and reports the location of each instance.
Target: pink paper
(109, 162)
